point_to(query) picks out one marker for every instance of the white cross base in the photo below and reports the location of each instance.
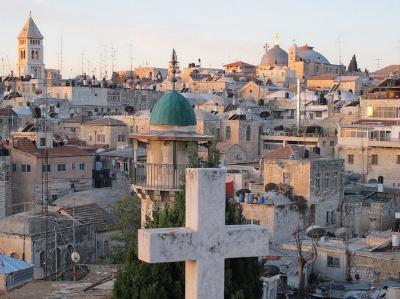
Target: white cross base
(206, 241)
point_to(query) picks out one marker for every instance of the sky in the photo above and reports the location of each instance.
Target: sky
(217, 32)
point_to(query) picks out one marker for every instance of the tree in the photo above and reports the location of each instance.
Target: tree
(353, 67)
(139, 280)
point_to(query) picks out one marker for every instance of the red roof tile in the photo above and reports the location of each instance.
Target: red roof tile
(27, 146)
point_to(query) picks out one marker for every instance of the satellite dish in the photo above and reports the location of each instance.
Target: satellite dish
(315, 232)
(75, 257)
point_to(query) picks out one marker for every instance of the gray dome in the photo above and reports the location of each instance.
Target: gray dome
(308, 54)
(275, 56)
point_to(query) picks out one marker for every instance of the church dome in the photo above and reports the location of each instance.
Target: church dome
(275, 56)
(307, 53)
(174, 110)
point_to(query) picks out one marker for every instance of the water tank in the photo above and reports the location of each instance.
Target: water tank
(241, 197)
(251, 198)
(395, 239)
(261, 200)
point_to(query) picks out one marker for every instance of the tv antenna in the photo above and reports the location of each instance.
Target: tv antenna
(61, 56)
(378, 65)
(339, 43)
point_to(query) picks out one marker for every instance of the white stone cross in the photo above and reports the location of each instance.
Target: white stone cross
(206, 241)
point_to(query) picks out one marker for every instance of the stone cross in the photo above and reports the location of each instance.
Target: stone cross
(206, 241)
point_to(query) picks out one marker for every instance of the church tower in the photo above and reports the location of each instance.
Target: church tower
(30, 51)
(293, 56)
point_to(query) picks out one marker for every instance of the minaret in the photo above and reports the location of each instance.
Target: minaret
(30, 51)
(173, 66)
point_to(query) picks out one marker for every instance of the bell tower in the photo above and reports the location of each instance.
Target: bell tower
(30, 51)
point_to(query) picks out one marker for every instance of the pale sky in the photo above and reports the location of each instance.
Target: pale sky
(218, 32)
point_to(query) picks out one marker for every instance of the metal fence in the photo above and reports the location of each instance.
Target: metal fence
(158, 176)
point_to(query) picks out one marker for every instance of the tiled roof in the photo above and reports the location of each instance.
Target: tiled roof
(92, 214)
(238, 63)
(27, 146)
(287, 152)
(30, 30)
(7, 112)
(10, 265)
(326, 76)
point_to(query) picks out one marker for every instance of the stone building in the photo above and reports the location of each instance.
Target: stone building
(240, 68)
(281, 214)
(316, 180)
(172, 130)
(370, 146)
(105, 132)
(22, 236)
(67, 168)
(30, 51)
(356, 259)
(306, 62)
(8, 122)
(240, 129)
(369, 210)
(5, 186)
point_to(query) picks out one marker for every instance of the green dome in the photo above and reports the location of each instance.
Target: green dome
(173, 109)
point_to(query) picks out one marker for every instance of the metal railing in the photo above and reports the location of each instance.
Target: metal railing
(158, 176)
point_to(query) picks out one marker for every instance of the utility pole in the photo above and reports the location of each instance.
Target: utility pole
(61, 56)
(55, 252)
(73, 239)
(378, 60)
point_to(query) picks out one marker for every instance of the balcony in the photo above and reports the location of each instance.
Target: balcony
(162, 177)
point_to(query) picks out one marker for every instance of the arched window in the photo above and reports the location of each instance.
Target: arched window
(248, 133)
(37, 54)
(42, 259)
(22, 54)
(33, 54)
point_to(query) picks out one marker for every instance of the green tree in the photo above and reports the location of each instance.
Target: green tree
(353, 67)
(139, 280)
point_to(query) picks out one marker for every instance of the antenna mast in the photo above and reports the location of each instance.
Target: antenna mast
(61, 56)
(339, 42)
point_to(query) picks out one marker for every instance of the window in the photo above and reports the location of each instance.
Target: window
(42, 259)
(53, 197)
(42, 141)
(100, 138)
(25, 168)
(61, 167)
(333, 261)
(256, 222)
(332, 143)
(326, 180)
(286, 178)
(228, 133)
(335, 179)
(248, 133)
(374, 159)
(121, 138)
(350, 159)
(46, 168)
(118, 165)
(125, 166)
(398, 159)
(318, 114)
(82, 166)
(317, 181)
(14, 167)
